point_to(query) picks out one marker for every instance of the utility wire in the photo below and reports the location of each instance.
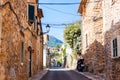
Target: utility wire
(63, 24)
(60, 11)
(59, 3)
(73, 3)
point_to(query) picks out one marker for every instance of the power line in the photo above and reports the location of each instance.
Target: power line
(57, 27)
(62, 24)
(73, 3)
(60, 11)
(59, 3)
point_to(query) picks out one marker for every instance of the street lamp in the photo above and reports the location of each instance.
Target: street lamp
(47, 29)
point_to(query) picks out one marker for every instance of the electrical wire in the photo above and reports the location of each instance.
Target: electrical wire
(58, 26)
(73, 3)
(62, 24)
(59, 3)
(60, 11)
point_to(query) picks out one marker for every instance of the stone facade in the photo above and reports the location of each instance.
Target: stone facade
(111, 30)
(92, 35)
(20, 43)
(104, 35)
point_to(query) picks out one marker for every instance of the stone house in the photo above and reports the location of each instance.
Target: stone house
(46, 57)
(92, 35)
(21, 39)
(111, 31)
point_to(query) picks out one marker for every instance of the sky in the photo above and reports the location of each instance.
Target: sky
(59, 14)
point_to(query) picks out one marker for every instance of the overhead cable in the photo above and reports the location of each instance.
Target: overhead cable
(62, 3)
(61, 11)
(59, 3)
(62, 24)
(75, 3)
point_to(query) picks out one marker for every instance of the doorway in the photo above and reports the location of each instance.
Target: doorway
(30, 61)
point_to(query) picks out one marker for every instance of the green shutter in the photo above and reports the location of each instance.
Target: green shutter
(31, 13)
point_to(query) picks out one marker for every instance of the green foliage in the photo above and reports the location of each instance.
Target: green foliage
(58, 46)
(71, 33)
(64, 52)
(53, 55)
(60, 60)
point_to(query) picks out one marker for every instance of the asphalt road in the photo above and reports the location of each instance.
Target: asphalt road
(63, 75)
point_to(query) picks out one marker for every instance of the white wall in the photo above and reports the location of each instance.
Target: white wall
(111, 13)
(44, 57)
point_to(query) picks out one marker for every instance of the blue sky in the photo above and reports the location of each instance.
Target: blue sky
(67, 14)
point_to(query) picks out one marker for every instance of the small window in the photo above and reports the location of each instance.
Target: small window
(115, 47)
(86, 37)
(22, 52)
(30, 13)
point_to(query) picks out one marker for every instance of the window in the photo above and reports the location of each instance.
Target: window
(22, 52)
(86, 37)
(30, 13)
(115, 48)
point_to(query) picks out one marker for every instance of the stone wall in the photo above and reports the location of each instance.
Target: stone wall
(92, 37)
(111, 31)
(112, 64)
(15, 30)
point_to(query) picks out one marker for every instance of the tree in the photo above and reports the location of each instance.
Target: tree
(58, 46)
(72, 34)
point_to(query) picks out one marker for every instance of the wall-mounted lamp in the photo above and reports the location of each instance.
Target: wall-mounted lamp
(47, 29)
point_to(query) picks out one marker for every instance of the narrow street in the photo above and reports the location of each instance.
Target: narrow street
(62, 74)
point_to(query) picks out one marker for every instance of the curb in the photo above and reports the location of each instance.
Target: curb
(40, 75)
(89, 77)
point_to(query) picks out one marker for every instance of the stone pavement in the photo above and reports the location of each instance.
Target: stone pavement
(92, 76)
(40, 75)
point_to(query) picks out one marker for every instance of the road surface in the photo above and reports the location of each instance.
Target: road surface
(62, 74)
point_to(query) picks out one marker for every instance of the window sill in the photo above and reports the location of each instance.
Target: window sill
(116, 58)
